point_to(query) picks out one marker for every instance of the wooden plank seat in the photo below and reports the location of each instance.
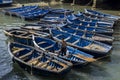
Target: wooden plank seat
(95, 47)
(32, 32)
(57, 51)
(88, 25)
(25, 35)
(83, 36)
(41, 42)
(55, 69)
(62, 64)
(76, 42)
(49, 46)
(85, 58)
(22, 34)
(40, 63)
(27, 54)
(74, 33)
(67, 38)
(43, 64)
(38, 34)
(46, 66)
(80, 24)
(34, 61)
(16, 49)
(77, 28)
(58, 35)
(49, 67)
(100, 38)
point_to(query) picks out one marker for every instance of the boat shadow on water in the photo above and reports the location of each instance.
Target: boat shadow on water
(23, 73)
(72, 75)
(93, 70)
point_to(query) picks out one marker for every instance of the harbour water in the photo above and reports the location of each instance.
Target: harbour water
(105, 69)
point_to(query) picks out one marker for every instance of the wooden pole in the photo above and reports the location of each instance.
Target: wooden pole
(94, 4)
(73, 3)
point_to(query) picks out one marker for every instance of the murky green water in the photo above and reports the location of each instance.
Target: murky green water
(105, 69)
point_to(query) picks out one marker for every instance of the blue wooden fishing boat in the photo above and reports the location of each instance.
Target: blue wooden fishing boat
(37, 27)
(34, 14)
(92, 47)
(42, 26)
(52, 19)
(24, 36)
(86, 23)
(82, 17)
(27, 12)
(98, 13)
(55, 15)
(16, 11)
(88, 35)
(92, 29)
(38, 62)
(93, 17)
(5, 2)
(61, 11)
(77, 57)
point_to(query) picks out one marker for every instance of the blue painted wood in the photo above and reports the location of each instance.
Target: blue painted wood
(27, 12)
(23, 36)
(88, 35)
(82, 43)
(91, 29)
(5, 2)
(56, 67)
(55, 47)
(98, 13)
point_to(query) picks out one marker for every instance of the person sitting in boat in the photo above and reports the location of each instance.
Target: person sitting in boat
(63, 47)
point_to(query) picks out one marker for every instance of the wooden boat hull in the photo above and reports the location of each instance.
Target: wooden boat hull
(83, 17)
(32, 13)
(61, 11)
(33, 69)
(88, 35)
(16, 11)
(42, 26)
(5, 3)
(37, 71)
(77, 64)
(23, 36)
(108, 32)
(94, 17)
(95, 48)
(97, 13)
(104, 26)
(77, 57)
